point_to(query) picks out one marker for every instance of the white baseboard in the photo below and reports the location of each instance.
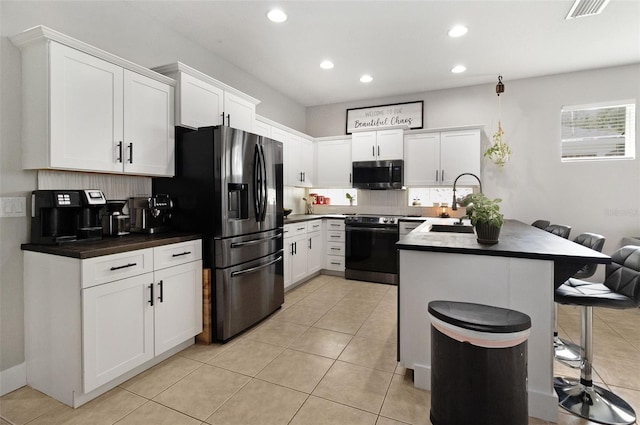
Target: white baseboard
(13, 378)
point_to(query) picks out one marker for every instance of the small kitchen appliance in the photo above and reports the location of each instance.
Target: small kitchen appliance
(150, 214)
(378, 174)
(114, 221)
(61, 216)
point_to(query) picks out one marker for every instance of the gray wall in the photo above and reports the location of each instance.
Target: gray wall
(601, 197)
(119, 29)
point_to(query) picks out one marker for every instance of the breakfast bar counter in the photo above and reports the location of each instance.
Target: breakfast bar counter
(520, 272)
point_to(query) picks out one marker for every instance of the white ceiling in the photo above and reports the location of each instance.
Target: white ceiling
(403, 44)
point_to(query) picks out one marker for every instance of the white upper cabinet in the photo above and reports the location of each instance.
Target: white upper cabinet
(438, 158)
(298, 156)
(460, 153)
(87, 110)
(299, 160)
(422, 159)
(377, 145)
(261, 128)
(203, 101)
(239, 112)
(333, 163)
(198, 103)
(390, 144)
(149, 143)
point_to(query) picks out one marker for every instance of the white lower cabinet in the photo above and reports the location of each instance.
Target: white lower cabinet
(91, 324)
(407, 226)
(303, 251)
(334, 254)
(117, 329)
(315, 253)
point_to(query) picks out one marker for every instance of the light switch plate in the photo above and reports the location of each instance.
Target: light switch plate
(13, 207)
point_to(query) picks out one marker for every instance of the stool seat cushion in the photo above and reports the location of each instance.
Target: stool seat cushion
(581, 292)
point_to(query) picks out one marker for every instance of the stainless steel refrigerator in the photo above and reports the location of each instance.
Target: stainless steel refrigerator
(228, 186)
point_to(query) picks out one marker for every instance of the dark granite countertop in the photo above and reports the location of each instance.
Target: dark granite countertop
(297, 218)
(111, 245)
(517, 239)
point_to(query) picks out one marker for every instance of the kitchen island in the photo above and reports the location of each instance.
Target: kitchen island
(520, 273)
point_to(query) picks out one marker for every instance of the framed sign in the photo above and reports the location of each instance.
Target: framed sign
(385, 116)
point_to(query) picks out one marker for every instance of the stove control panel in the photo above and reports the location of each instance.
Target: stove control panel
(371, 220)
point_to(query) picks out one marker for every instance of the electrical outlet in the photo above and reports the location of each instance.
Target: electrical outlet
(13, 207)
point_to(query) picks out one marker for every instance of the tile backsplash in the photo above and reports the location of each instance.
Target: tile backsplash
(383, 202)
(113, 186)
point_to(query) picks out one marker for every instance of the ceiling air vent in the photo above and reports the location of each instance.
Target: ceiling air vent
(582, 8)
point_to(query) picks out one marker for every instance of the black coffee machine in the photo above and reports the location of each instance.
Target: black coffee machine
(61, 216)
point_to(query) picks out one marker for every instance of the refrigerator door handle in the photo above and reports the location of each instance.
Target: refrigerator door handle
(255, 241)
(257, 191)
(264, 185)
(255, 269)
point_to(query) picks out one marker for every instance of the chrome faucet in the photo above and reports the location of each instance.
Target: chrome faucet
(454, 205)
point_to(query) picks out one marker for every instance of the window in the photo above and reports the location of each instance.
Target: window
(599, 131)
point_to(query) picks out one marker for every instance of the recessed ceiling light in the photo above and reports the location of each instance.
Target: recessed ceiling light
(458, 69)
(458, 31)
(277, 15)
(326, 65)
(366, 78)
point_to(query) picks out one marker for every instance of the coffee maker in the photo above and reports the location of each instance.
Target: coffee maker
(61, 216)
(114, 221)
(150, 215)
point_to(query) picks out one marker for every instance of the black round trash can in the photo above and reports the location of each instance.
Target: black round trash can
(478, 364)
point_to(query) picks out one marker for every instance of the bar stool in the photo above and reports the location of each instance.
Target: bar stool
(541, 224)
(559, 230)
(621, 290)
(562, 231)
(566, 351)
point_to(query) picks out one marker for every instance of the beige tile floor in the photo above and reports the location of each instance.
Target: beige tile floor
(327, 357)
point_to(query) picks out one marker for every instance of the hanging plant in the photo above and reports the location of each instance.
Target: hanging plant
(499, 152)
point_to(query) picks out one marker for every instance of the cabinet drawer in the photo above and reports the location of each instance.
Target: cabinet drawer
(335, 225)
(177, 253)
(335, 236)
(295, 229)
(335, 262)
(335, 248)
(98, 270)
(314, 226)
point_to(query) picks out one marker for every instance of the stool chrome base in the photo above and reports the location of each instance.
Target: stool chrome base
(593, 403)
(567, 352)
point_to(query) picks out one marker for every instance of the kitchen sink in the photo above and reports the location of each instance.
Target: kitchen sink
(451, 228)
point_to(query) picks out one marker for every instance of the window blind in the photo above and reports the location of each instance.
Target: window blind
(593, 132)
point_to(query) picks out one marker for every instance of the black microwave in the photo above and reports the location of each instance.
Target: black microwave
(378, 174)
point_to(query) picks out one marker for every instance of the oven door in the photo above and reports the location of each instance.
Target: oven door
(371, 249)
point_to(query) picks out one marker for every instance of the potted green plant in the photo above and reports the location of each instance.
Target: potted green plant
(350, 197)
(499, 151)
(485, 217)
